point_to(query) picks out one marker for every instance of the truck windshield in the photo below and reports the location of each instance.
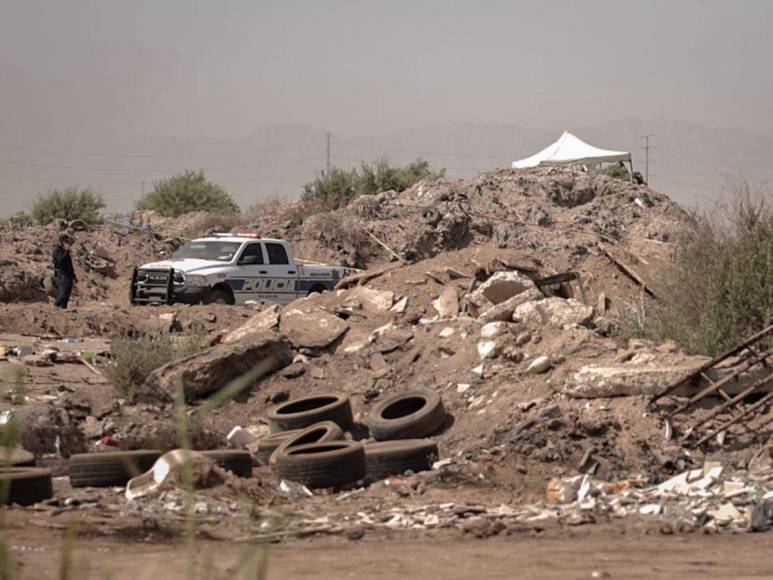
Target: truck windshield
(219, 251)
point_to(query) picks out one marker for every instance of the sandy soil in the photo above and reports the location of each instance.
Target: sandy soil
(598, 552)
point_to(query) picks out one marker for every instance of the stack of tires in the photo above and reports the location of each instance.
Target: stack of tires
(308, 445)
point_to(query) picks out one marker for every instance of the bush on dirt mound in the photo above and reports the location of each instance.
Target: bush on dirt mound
(186, 192)
(339, 187)
(719, 290)
(69, 204)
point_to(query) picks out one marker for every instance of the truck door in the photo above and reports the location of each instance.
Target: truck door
(281, 272)
(252, 270)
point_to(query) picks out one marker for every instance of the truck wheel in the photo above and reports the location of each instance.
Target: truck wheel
(317, 289)
(219, 297)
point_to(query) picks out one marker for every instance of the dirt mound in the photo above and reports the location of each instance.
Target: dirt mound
(558, 211)
(103, 257)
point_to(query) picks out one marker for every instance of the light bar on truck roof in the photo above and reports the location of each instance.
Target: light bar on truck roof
(235, 235)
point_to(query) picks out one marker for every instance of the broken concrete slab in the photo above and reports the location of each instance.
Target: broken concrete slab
(488, 348)
(372, 300)
(264, 320)
(207, 372)
(494, 329)
(504, 310)
(553, 312)
(628, 379)
(447, 304)
(311, 327)
(400, 306)
(502, 286)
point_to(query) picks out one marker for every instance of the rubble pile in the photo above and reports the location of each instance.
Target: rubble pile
(510, 322)
(557, 212)
(103, 256)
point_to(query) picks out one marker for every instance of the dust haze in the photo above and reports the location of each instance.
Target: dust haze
(119, 94)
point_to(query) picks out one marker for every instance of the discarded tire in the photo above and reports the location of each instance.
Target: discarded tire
(110, 468)
(16, 457)
(316, 465)
(317, 433)
(305, 411)
(237, 461)
(26, 485)
(431, 216)
(386, 458)
(268, 444)
(409, 415)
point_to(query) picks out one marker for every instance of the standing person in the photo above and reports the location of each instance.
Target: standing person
(64, 273)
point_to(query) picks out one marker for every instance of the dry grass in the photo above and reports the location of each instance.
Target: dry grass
(133, 358)
(719, 289)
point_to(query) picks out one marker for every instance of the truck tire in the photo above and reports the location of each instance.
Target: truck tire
(218, 296)
(317, 289)
(236, 461)
(385, 458)
(16, 457)
(321, 465)
(410, 415)
(268, 444)
(109, 469)
(305, 411)
(317, 433)
(26, 485)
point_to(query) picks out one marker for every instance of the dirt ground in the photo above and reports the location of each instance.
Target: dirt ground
(609, 552)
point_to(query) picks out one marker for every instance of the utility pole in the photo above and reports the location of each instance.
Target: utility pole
(327, 165)
(647, 158)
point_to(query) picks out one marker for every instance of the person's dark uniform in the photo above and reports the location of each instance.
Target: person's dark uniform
(64, 273)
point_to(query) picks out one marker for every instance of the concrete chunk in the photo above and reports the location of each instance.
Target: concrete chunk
(553, 312)
(311, 327)
(504, 310)
(502, 286)
(265, 320)
(207, 372)
(373, 300)
(447, 304)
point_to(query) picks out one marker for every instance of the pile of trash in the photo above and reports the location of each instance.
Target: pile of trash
(712, 497)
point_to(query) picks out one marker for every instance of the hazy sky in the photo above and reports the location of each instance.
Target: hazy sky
(92, 73)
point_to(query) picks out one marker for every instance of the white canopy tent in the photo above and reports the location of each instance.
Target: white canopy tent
(569, 149)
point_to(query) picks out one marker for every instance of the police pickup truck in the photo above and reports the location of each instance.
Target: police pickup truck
(230, 269)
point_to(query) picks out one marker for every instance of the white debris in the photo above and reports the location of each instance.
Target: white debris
(539, 365)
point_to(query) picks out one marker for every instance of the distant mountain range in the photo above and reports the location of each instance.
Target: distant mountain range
(687, 161)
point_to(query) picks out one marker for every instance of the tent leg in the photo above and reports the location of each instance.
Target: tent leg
(630, 164)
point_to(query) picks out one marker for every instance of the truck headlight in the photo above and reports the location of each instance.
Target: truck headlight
(194, 280)
(179, 279)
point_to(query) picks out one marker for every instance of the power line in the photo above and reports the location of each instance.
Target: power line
(153, 170)
(71, 153)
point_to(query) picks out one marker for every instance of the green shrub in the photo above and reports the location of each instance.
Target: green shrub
(186, 192)
(617, 170)
(72, 203)
(19, 220)
(339, 187)
(133, 358)
(220, 222)
(719, 289)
